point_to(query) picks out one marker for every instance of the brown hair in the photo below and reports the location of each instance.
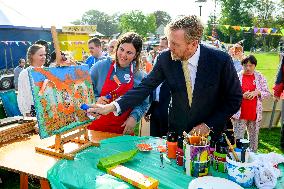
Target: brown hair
(31, 51)
(250, 58)
(136, 41)
(191, 25)
(96, 41)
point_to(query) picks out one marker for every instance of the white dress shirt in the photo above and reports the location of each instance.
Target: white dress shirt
(157, 94)
(192, 65)
(25, 97)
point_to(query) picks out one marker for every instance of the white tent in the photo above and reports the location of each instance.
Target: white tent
(97, 34)
(11, 17)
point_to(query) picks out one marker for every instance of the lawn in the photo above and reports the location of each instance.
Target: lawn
(269, 141)
(267, 64)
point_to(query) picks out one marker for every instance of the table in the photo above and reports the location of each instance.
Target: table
(19, 156)
(83, 171)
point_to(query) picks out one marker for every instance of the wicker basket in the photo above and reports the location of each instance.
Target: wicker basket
(13, 127)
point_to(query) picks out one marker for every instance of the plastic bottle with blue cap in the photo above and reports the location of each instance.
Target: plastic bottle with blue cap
(86, 107)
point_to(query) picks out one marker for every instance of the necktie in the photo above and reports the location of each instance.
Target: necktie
(186, 73)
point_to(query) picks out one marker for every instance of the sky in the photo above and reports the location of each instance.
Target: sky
(62, 12)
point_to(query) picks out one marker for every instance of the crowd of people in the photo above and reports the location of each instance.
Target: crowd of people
(182, 85)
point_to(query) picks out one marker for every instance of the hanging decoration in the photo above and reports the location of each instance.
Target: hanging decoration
(256, 30)
(18, 43)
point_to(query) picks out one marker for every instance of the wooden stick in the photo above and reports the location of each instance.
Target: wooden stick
(56, 45)
(231, 147)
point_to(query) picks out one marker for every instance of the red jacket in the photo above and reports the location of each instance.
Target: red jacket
(279, 83)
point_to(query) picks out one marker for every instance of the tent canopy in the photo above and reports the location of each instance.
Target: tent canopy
(15, 40)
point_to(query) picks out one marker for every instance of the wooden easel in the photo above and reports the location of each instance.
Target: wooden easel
(78, 135)
(72, 136)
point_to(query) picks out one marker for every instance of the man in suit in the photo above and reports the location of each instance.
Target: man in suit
(160, 99)
(203, 82)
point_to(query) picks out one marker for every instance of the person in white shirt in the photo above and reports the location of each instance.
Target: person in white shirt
(36, 56)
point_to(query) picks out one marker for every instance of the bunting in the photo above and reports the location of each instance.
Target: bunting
(257, 30)
(18, 43)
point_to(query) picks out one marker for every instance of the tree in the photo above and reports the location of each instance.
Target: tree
(162, 18)
(137, 22)
(76, 22)
(237, 13)
(264, 10)
(106, 24)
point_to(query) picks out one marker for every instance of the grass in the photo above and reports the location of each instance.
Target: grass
(269, 141)
(267, 64)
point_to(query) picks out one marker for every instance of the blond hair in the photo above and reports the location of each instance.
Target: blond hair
(191, 25)
(31, 51)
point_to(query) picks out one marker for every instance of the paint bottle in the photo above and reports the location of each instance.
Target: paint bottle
(179, 152)
(212, 141)
(219, 156)
(171, 145)
(221, 145)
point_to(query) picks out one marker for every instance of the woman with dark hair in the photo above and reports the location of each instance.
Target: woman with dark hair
(254, 87)
(113, 78)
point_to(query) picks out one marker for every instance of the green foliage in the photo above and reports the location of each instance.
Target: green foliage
(247, 13)
(162, 18)
(106, 24)
(264, 13)
(137, 22)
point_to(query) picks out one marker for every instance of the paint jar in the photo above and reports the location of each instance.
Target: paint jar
(185, 142)
(212, 142)
(197, 160)
(221, 145)
(241, 173)
(219, 162)
(219, 156)
(171, 145)
(179, 152)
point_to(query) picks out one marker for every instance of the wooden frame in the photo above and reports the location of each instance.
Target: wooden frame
(72, 136)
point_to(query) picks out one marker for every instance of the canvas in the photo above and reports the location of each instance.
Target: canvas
(58, 94)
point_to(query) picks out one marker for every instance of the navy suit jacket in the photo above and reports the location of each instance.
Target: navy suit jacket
(217, 92)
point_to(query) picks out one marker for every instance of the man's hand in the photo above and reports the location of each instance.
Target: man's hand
(129, 125)
(102, 100)
(200, 130)
(102, 109)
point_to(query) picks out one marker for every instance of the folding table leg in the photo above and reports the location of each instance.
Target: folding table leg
(24, 181)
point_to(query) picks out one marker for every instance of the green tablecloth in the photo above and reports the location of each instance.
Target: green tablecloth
(82, 172)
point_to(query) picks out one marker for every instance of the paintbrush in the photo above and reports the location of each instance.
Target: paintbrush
(231, 148)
